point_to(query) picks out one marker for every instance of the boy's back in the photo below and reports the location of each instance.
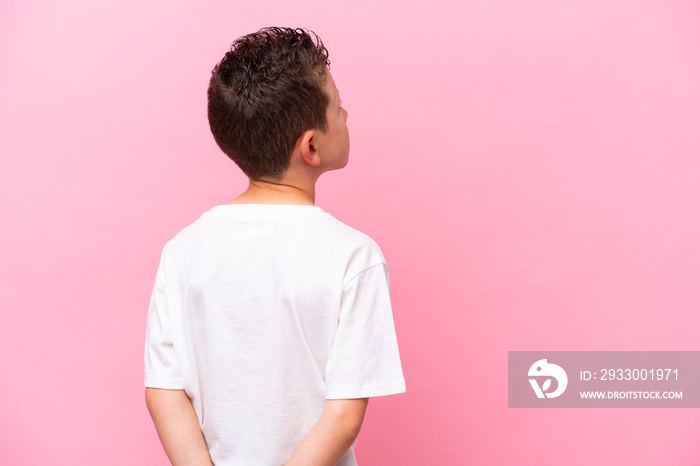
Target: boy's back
(260, 313)
(270, 324)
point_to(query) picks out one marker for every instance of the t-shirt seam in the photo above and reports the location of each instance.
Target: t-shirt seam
(361, 272)
(357, 387)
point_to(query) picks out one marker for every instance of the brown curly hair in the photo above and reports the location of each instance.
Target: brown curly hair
(264, 93)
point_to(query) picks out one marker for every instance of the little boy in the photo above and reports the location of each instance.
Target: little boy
(270, 323)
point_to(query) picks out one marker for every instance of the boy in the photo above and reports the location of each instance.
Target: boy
(270, 324)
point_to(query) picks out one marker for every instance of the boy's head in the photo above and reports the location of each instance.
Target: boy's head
(269, 89)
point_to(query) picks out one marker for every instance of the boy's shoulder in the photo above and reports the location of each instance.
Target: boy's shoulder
(360, 244)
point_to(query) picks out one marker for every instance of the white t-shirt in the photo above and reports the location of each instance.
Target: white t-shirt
(261, 312)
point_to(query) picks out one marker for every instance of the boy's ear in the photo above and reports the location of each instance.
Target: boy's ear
(308, 150)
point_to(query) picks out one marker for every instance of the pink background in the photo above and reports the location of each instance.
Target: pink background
(531, 171)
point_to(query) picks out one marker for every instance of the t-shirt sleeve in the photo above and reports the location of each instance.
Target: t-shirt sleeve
(161, 367)
(364, 358)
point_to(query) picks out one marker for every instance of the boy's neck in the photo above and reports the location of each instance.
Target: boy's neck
(277, 192)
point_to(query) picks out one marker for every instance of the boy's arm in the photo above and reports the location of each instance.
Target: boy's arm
(332, 435)
(177, 427)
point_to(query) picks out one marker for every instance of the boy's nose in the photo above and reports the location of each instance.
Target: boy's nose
(345, 113)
